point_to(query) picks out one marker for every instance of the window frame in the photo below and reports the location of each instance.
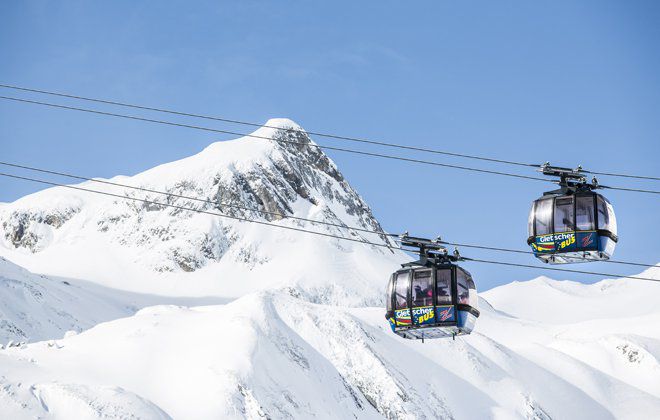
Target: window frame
(396, 282)
(571, 207)
(389, 308)
(599, 199)
(612, 225)
(412, 285)
(594, 211)
(467, 287)
(607, 232)
(451, 287)
(452, 282)
(531, 221)
(550, 224)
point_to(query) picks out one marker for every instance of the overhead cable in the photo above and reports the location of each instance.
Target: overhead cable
(281, 215)
(279, 140)
(382, 245)
(251, 124)
(214, 130)
(314, 133)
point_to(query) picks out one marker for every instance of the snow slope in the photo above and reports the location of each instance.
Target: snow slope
(610, 325)
(550, 301)
(272, 355)
(35, 307)
(76, 234)
(38, 307)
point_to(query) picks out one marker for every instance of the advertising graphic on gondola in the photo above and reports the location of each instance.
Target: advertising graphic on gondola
(424, 315)
(445, 313)
(587, 240)
(402, 317)
(566, 242)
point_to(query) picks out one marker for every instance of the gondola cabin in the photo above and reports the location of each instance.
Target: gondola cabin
(431, 298)
(572, 224)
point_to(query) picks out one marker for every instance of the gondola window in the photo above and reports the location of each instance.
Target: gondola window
(422, 288)
(544, 217)
(401, 291)
(564, 214)
(585, 212)
(443, 291)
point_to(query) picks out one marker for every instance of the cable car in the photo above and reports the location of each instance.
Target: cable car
(432, 297)
(572, 224)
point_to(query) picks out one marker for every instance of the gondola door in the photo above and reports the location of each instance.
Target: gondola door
(422, 297)
(445, 295)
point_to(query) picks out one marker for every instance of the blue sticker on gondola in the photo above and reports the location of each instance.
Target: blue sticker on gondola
(558, 242)
(587, 240)
(565, 241)
(444, 313)
(402, 317)
(424, 315)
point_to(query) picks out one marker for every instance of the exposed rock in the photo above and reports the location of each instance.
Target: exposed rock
(293, 173)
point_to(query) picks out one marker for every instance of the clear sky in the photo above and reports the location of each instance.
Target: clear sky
(570, 82)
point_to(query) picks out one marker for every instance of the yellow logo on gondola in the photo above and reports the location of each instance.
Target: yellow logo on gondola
(423, 314)
(426, 317)
(567, 242)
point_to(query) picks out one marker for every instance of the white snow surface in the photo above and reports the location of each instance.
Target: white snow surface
(272, 355)
(113, 242)
(127, 320)
(39, 307)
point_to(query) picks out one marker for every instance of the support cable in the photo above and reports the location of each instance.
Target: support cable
(382, 245)
(314, 133)
(281, 215)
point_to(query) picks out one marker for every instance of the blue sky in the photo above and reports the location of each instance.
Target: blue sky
(571, 82)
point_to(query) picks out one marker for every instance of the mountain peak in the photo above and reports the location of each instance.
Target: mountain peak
(284, 123)
(274, 176)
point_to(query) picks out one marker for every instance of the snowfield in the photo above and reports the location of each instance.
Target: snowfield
(147, 312)
(269, 354)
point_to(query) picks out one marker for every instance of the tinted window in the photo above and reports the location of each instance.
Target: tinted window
(462, 284)
(390, 285)
(473, 299)
(612, 222)
(603, 215)
(543, 213)
(584, 215)
(401, 288)
(422, 288)
(564, 214)
(443, 291)
(530, 222)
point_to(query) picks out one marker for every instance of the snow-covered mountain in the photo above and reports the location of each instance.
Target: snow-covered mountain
(35, 307)
(272, 355)
(187, 315)
(39, 307)
(113, 242)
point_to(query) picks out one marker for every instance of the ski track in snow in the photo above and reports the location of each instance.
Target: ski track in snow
(144, 312)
